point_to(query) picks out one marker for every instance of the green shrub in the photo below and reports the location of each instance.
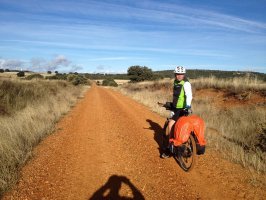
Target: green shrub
(138, 73)
(109, 82)
(51, 77)
(57, 77)
(71, 77)
(34, 76)
(77, 80)
(2, 71)
(49, 72)
(21, 74)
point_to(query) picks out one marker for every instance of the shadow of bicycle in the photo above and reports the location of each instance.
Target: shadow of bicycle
(158, 134)
(110, 190)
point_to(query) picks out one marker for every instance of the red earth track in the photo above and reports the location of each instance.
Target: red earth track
(107, 147)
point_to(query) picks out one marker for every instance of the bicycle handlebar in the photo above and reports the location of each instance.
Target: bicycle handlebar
(169, 106)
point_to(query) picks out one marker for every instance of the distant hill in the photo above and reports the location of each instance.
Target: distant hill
(191, 73)
(196, 73)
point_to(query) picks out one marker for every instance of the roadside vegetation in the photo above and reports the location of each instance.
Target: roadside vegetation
(235, 85)
(75, 79)
(201, 73)
(29, 110)
(234, 110)
(109, 82)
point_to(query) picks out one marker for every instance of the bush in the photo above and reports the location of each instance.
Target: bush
(21, 74)
(34, 76)
(51, 77)
(74, 79)
(138, 73)
(109, 82)
(7, 70)
(71, 77)
(2, 71)
(57, 77)
(49, 72)
(79, 80)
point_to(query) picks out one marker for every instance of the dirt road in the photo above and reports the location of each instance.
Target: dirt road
(107, 146)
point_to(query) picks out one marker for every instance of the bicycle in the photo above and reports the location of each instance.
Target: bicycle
(187, 141)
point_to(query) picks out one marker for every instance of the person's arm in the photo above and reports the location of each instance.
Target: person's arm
(188, 93)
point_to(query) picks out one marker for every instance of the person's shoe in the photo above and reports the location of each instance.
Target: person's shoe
(165, 155)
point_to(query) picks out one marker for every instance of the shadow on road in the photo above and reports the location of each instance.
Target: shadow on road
(110, 190)
(158, 134)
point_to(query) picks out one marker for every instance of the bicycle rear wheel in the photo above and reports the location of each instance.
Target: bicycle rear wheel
(187, 154)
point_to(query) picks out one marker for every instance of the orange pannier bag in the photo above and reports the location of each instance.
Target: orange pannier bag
(184, 126)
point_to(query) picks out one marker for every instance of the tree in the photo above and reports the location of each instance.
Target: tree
(56, 72)
(49, 72)
(2, 71)
(138, 73)
(21, 74)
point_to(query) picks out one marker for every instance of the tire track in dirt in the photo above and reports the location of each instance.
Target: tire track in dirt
(109, 141)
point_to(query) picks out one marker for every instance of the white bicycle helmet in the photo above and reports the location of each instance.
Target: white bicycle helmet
(180, 70)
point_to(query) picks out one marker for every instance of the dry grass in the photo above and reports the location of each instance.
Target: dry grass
(121, 82)
(16, 95)
(13, 75)
(236, 85)
(239, 133)
(32, 108)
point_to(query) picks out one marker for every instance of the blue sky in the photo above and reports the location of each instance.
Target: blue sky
(111, 35)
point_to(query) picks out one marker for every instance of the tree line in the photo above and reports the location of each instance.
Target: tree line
(139, 73)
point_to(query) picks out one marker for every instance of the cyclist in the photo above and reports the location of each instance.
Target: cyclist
(182, 97)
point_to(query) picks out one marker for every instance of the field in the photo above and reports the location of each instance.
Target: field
(28, 112)
(109, 144)
(233, 109)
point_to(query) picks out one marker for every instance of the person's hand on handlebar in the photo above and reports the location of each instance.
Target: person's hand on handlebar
(188, 110)
(167, 105)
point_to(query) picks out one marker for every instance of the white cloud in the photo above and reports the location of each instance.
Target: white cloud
(11, 64)
(58, 61)
(148, 12)
(40, 64)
